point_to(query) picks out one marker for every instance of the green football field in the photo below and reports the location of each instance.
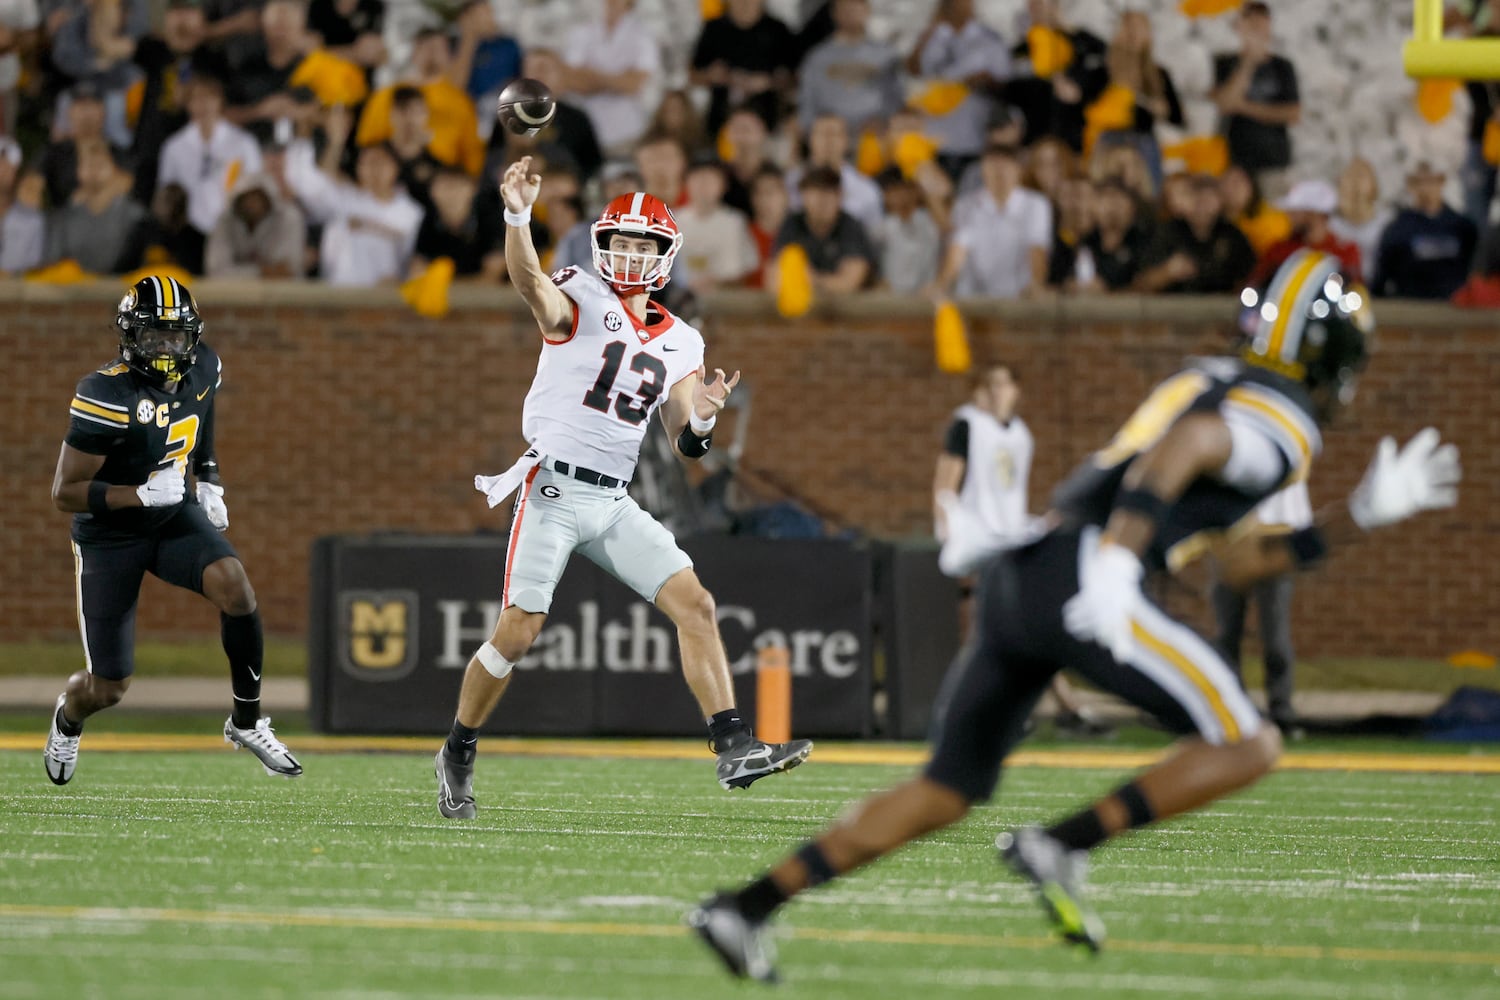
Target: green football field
(192, 874)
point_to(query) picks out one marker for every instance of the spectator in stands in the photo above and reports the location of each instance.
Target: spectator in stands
(1263, 224)
(95, 228)
(744, 57)
(165, 238)
(662, 163)
(749, 154)
(487, 58)
(1200, 253)
(618, 178)
(716, 238)
(1309, 206)
(411, 136)
(1426, 250)
(575, 247)
(234, 25)
(1073, 222)
(567, 141)
(1177, 198)
(455, 229)
(23, 230)
(259, 83)
(1258, 100)
(59, 161)
(907, 236)
(1054, 99)
(370, 226)
(838, 249)
(95, 44)
(771, 204)
(956, 48)
(1361, 216)
(1117, 246)
(850, 75)
(1049, 163)
(612, 63)
(1001, 238)
(261, 235)
(351, 29)
(1007, 128)
(450, 113)
(19, 20)
(207, 155)
(828, 146)
(169, 61)
(1127, 164)
(676, 116)
(1132, 66)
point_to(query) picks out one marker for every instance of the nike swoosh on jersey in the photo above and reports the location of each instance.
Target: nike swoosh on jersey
(204, 392)
(666, 348)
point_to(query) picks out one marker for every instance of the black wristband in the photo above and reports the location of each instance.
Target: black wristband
(98, 497)
(1143, 502)
(1307, 545)
(693, 446)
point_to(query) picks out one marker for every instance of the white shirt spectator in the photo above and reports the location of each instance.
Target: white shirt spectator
(1366, 236)
(717, 243)
(958, 55)
(997, 239)
(618, 119)
(365, 240)
(858, 195)
(207, 169)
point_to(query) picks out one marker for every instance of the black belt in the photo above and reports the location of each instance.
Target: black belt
(588, 476)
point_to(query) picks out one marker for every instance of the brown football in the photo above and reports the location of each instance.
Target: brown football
(525, 106)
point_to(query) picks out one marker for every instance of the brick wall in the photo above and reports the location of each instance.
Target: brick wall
(342, 412)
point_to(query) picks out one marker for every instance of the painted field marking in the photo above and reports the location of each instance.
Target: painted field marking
(563, 928)
(844, 753)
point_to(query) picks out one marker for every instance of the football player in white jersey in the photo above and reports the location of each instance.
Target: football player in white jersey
(610, 358)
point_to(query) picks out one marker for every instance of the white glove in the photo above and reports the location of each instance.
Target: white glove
(1109, 593)
(1421, 476)
(211, 499)
(165, 488)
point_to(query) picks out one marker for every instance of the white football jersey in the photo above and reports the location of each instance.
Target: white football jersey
(594, 392)
(997, 470)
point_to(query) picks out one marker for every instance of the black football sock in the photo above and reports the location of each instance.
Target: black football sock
(1084, 831)
(245, 645)
(761, 898)
(727, 730)
(463, 743)
(66, 727)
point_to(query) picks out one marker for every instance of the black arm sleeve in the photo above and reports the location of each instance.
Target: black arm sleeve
(205, 465)
(956, 441)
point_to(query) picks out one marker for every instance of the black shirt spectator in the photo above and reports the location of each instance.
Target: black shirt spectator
(1118, 244)
(1257, 95)
(341, 22)
(456, 229)
(838, 249)
(165, 239)
(263, 68)
(568, 140)
(746, 56)
(1055, 105)
(1202, 252)
(1426, 250)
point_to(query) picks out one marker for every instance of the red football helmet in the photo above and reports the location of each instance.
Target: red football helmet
(638, 214)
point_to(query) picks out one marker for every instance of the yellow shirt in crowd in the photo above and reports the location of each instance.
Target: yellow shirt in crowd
(450, 115)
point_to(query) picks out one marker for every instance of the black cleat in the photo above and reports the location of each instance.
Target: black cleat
(1057, 873)
(743, 764)
(739, 942)
(455, 786)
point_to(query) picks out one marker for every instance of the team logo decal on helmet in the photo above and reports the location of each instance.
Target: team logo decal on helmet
(159, 328)
(638, 215)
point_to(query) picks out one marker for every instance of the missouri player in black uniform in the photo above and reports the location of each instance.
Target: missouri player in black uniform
(1192, 462)
(138, 427)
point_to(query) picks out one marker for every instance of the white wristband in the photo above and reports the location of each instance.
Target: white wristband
(702, 427)
(518, 218)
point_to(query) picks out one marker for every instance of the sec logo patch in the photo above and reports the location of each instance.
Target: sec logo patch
(612, 321)
(145, 409)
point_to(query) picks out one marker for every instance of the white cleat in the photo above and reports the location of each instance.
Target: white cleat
(60, 756)
(261, 740)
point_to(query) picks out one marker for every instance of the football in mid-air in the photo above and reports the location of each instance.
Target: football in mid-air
(525, 106)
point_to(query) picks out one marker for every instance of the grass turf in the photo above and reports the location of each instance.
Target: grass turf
(166, 874)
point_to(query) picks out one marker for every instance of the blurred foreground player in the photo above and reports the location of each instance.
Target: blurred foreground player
(138, 426)
(1197, 456)
(610, 358)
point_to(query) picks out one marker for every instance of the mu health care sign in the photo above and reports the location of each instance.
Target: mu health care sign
(396, 618)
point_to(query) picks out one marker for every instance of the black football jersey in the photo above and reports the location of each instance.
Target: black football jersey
(139, 428)
(1242, 394)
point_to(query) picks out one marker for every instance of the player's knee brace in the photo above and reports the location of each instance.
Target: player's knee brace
(490, 658)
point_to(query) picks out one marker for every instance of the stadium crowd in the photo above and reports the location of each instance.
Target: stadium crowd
(284, 139)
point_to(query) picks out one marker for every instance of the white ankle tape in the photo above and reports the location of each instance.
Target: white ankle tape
(489, 657)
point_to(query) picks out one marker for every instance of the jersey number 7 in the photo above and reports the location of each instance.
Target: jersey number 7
(653, 380)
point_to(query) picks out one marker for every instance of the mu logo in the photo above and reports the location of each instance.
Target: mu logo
(378, 632)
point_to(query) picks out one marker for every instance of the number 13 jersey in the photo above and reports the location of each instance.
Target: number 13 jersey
(594, 392)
